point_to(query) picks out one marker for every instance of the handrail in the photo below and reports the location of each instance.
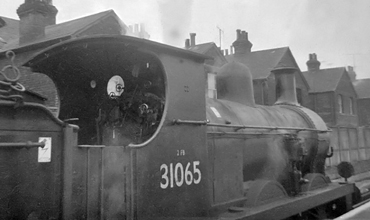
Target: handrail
(92, 146)
(238, 127)
(27, 144)
(192, 122)
(266, 127)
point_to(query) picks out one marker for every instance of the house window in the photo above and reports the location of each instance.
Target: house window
(340, 104)
(211, 81)
(299, 95)
(264, 99)
(351, 106)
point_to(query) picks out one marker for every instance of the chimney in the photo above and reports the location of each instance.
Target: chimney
(34, 16)
(285, 85)
(313, 64)
(192, 39)
(242, 45)
(187, 44)
(352, 74)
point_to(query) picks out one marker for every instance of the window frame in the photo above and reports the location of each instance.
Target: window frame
(351, 106)
(340, 104)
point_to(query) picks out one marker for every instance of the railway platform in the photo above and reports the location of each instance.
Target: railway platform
(360, 213)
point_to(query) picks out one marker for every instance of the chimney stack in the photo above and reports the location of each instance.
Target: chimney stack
(34, 16)
(242, 45)
(238, 34)
(192, 39)
(352, 74)
(313, 64)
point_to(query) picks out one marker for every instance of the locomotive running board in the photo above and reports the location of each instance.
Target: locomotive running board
(293, 205)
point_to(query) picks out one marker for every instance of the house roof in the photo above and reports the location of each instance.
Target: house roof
(9, 29)
(206, 49)
(362, 87)
(324, 80)
(202, 48)
(67, 29)
(38, 83)
(262, 62)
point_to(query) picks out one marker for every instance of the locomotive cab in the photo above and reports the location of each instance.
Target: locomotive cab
(140, 108)
(115, 95)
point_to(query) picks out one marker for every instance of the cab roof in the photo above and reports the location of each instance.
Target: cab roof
(141, 44)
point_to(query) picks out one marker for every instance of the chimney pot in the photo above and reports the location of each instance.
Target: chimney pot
(187, 43)
(192, 39)
(244, 35)
(238, 33)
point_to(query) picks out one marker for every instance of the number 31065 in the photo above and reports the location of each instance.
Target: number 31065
(177, 175)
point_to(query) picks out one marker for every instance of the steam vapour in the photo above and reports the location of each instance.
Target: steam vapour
(175, 16)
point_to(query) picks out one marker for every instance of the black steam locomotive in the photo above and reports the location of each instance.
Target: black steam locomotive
(136, 138)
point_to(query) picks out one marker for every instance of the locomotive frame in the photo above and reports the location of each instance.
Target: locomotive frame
(171, 172)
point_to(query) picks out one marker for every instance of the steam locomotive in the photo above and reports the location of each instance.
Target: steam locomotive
(136, 138)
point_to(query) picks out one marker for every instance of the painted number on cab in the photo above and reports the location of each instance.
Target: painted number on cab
(178, 174)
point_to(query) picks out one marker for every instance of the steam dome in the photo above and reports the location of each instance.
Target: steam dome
(234, 83)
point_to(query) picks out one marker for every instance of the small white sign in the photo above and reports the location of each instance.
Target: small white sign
(45, 153)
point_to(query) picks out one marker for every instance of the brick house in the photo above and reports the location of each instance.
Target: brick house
(362, 87)
(36, 30)
(261, 63)
(332, 94)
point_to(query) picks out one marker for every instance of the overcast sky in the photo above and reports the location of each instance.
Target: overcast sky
(338, 31)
